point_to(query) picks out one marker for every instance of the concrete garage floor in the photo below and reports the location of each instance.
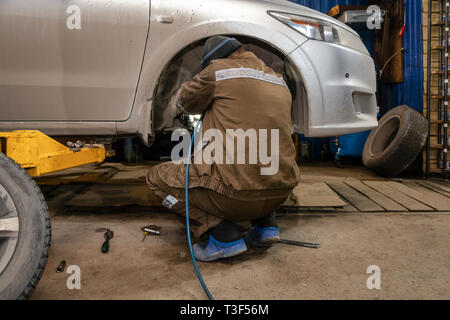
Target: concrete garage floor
(412, 250)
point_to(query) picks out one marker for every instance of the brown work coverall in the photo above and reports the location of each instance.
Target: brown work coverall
(238, 93)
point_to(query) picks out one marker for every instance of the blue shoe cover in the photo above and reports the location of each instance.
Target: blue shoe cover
(263, 236)
(215, 249)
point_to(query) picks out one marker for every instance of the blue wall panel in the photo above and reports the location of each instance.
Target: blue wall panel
(409, 92)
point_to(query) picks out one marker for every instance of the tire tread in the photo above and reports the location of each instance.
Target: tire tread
(36, 277)
(404, 149)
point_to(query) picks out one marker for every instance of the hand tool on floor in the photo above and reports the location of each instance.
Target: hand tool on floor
(61, 266)
(151, 229)
(109, 234)
(300, 244)
(252, 241)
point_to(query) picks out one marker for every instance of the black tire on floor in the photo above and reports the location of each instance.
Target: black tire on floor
(396, 143)
(24, 269)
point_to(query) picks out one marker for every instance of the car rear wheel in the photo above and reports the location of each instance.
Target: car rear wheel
(24, 231)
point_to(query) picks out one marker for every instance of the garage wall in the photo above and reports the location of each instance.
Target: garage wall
(409, 92)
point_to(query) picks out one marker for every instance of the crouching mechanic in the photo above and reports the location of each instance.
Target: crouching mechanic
(235, 90)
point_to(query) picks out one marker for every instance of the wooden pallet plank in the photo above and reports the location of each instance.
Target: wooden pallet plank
(314, 195)
(433, 187)
(113, 195)
(424, 195)
(441, 185)
(355, 198)
(410, 203)
(347, 208)
(375, 196)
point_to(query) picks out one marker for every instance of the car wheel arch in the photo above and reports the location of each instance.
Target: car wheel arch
(275, 57)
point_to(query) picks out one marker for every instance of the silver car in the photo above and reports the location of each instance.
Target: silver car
(111, 67)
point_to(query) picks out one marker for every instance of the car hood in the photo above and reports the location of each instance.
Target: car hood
(290, 7)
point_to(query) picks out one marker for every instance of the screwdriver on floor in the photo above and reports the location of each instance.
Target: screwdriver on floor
(109, 234)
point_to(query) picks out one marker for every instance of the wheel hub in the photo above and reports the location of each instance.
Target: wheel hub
(9, 228)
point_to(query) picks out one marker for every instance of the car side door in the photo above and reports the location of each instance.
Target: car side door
(76, 60)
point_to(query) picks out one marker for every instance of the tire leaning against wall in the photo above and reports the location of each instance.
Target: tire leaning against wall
(26, 265)
(395, 144)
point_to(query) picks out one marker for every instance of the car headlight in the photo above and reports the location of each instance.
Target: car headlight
(321, 30)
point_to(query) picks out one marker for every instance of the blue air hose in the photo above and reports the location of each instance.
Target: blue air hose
(188, 227)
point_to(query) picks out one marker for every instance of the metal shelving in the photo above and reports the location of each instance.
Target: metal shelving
(442, 98)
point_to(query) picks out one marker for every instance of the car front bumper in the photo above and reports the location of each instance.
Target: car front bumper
(339, 90)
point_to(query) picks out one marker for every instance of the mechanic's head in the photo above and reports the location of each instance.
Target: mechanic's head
(218, 47)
